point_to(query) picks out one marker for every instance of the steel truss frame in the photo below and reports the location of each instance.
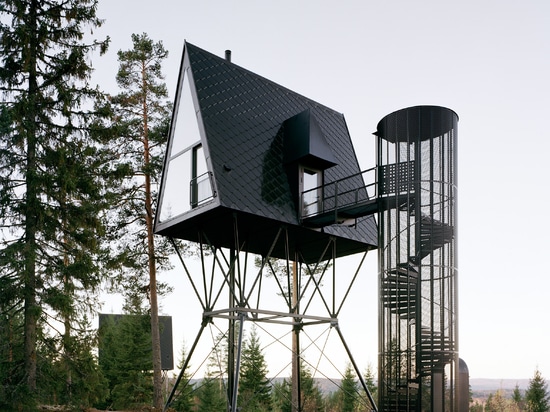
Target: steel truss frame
(245, 292)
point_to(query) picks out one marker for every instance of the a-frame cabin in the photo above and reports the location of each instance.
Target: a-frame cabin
(242, 150)
(254, 167)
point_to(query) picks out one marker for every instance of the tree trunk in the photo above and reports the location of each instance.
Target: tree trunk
(295, 386)
(67, 347)
(31, 309)
(155, 331)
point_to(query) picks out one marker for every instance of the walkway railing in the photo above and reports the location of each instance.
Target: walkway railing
(339, 194)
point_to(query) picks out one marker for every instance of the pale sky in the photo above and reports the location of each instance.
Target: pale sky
(489, 61)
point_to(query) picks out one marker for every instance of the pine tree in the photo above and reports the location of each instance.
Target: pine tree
(254, 386)
(143, 117)
(53, 180)
(537, 398)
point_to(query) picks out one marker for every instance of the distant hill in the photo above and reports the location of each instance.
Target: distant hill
(496, 384)
(481, 387)
(477, 385)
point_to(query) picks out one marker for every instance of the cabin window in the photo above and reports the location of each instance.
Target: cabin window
(187, 183)
(311, 181)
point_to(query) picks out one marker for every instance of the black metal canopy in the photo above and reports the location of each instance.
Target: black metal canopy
(416, 123)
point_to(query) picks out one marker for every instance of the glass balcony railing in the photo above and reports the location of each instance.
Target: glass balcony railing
(201, 188)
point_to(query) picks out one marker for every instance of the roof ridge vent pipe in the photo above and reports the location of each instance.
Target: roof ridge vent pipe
(228, 55)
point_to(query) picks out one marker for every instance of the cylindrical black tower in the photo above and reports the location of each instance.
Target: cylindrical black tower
(418, 339)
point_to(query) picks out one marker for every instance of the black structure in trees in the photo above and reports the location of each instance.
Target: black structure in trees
(252, 167)
(241, 151)
(165, 330)
(418, 336)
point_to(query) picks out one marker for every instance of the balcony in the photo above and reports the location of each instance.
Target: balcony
(344, 200)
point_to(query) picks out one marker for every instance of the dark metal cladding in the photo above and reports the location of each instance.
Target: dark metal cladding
(416, 123)
(464, 386)
(304, 142)
(243, 115)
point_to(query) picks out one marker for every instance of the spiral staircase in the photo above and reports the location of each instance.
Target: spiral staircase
(401, 295)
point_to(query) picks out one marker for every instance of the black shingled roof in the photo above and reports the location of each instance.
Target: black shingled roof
(243, 115)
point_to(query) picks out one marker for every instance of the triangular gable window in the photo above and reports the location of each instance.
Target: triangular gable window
(187, 182)
(186, 131)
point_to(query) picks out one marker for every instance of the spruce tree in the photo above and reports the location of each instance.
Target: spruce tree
(134, 389)
(254, 386)
(53, 180)
(211, 394)
(370, 381)
(496, 402)
(11, 351)
(348, 391)
(517, 398)
(87, 386)
(476, 407)
(537, 398)
(125, 357)
(143, 117)
(489, 404)
(281, 396)
(311, 395)
(184, 398)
